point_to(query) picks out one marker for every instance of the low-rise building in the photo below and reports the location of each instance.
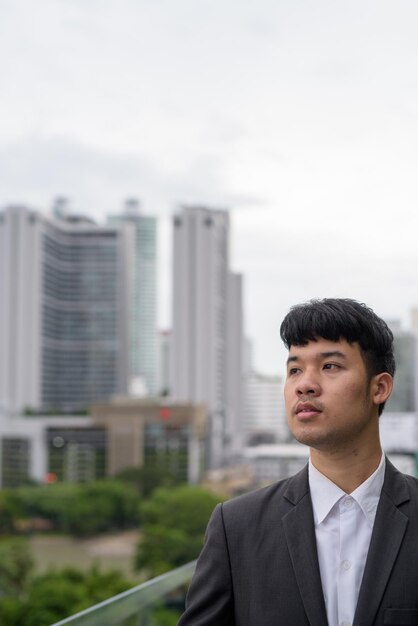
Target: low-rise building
(276, 461)
(124, 433)
(139, 430)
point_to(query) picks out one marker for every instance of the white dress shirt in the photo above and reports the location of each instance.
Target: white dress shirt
(343, 528)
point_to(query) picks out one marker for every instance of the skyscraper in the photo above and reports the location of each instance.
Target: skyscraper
(207, 325)
(65, 293)
(234, 388)
(143, 312)
(403, 397)
(265, 417)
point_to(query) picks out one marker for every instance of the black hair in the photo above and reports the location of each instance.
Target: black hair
(342, 318)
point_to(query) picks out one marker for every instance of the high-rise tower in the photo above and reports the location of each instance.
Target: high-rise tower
(207, 325)
(65, 293)
(403, 398)
(143, 312)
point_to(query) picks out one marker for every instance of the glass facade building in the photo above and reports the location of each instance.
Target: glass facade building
(143, 307)
(167, 447)
(14, 467)
(76, 454)
(65, 287)
(79, 317)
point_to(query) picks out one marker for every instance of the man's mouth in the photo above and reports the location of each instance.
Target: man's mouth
(305, 410)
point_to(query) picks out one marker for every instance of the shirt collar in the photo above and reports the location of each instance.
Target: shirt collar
(368, 493)
(325, 494)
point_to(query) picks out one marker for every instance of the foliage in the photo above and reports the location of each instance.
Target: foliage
(102, 506)
(59, 594)
(146, 479)
(47, 501)
(174, 525)
(80, 509)
(39, 600)
(10, 510)
(16, 566)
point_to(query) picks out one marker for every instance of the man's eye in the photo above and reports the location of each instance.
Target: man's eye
(331, 366)
(293, 370)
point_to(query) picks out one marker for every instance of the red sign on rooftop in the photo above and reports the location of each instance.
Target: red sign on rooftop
(165, 413)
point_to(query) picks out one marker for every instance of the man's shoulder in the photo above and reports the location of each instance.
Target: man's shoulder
(399, 487)
(393, 474)
(286, 490)
(412, 482)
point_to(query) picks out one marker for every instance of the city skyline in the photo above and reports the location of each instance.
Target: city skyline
(404, 319)
(299, 118)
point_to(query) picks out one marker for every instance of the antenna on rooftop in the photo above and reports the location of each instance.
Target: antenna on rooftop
(60, 207)
(132, 206)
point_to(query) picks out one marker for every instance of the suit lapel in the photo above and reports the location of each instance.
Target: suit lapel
(388, 531)
(301, 542)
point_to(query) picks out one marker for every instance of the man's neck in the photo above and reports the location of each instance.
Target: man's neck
(347, 470)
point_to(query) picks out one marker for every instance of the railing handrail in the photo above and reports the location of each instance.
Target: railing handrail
(112, 611)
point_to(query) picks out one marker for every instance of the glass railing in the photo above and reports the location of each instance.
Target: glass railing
(157, 602)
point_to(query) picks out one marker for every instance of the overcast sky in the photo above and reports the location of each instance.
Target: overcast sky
(300, 117)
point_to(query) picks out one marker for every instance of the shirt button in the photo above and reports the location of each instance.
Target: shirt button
(346, 565)
(348, 503)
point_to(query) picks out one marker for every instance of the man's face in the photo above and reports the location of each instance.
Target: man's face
(329, 398)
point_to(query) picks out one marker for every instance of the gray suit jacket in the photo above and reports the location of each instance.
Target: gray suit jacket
(259, 565)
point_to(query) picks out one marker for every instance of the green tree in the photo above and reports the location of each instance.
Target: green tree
(149, 477)
(54, 596)
(11, 612)
(81, 509)
(102, 506)
(16, 566)
(10, 510)
(174, 525)
(49, 502)
(58, 594)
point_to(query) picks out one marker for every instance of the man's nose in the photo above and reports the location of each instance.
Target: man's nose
(308, 385)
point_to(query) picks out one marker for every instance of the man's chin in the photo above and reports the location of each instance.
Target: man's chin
(313, 440)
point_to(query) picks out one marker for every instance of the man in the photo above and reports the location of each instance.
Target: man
(337, 544)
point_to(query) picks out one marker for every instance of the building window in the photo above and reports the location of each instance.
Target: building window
(14, 462)
(77, 454)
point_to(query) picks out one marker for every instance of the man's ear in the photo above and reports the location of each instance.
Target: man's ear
(382, 385)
